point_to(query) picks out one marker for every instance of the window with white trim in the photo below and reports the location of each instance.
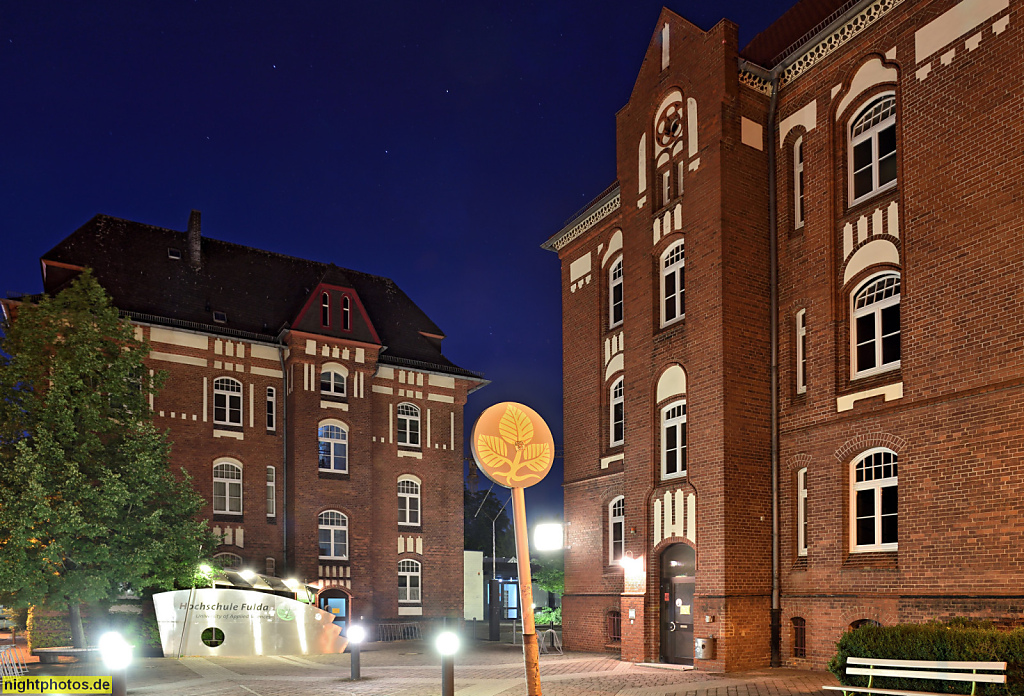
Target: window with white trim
(616, 415)
(615, 294)
(801, 351)
(227, 401)
(409, 585)
(227, 489)
(616, 529)
(409, 501)
(271, 408)
(801, 512)
(333, 530)
(333, 439)
(875, 325)
(271, 491)
(872, 150)
(228, 561)
(408, 425)
(325, 309)
(673, 440)
(798, 182)
(673, 284)
(332, 383)
(346, 313)
(271, 564)
(874, 504)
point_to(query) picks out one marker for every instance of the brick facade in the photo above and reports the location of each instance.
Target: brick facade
(945, 406)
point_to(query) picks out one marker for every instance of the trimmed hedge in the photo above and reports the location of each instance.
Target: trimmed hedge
(959, 640)
(48, 628)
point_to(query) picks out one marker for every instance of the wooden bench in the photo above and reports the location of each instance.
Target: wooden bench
(919, 669)
(53, 655)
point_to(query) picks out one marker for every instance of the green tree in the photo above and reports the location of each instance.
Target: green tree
(550, 573)
(478, 526)
(89, 506)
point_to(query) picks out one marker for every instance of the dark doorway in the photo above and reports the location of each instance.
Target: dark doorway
(336, 603)
(678, 571)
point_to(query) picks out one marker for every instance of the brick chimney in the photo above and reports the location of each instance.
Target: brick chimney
(194, 240)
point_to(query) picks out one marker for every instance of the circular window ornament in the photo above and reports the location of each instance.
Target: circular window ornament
(670, 124)
(212, 637)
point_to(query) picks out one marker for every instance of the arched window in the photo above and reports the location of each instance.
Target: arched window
(271, 491)
(669, 148)
(854, 625)
(673, 440)
(333, 439)
(873, 148)
(798, 182)
(333, 528)
(673, 284)
(613, 621)
(801, 351)
(616, 529)
(615, 294)
(227, 401)
(409, 501)
(228, 561)
(227, 488)
(616, 416)
(346, 313)
(874, 505)
(332, 382)
(409, 585)
(325, 309)
(408, 425)
(801, 512)
(875, 325)
(799, 637)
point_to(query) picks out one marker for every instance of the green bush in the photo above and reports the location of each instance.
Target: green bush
(547, 616)
(959, 640)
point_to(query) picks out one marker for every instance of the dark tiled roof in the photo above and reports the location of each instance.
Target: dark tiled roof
(800, 22)
(260, 291)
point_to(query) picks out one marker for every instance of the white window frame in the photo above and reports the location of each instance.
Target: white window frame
(877, 484)
(801, 351)
(676, 268)
(332, 435)
(227, 398)
(615, 283)
(230, 486)
(411, 573)
(874, 308)
(333, 383)
(617, 412)
(410, 501)
(271, 409)
(335, 523)
(407, 430)
(678, 423)
(325, 309)
(346, 313)
(801, 512)
(798, 182)
(271, 491)
(616, 529)
(871, 134)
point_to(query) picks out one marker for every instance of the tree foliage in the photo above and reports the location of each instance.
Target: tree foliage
(478, 528)
(550, 574)
(89, 506)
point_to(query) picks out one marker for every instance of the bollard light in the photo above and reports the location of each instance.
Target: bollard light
(447, 644)
(356, 635)
(116, 654)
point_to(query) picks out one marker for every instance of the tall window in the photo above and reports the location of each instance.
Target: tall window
(333, 448)
(799, 637)
(271, 408)
(227, 401)
(325, 309)
(798, 182)
(346, 313)
(271, 491)
(801, 512)
(873, 148)
(615, 294)
(616, 529)
(876, 325)
(801, 351)
(617, 418)
(409, 585)
(227, 489)
(332, 383)
(673, 440)
(409, 501)
(333, 528)
(408, 425)
(673, 285)
(874, 522)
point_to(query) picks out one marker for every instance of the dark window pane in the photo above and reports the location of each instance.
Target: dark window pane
(866, 503)
(890, 531)
(866, 531)
(865, 357)
(887, 142)
(887, 170)
(682, 290)
(890, 320)
(862, 183)
(889, 497)
(890, 349)
(865, 328)
(862, 155)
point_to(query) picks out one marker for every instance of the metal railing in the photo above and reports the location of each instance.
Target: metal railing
(12, 664)
(390, 632)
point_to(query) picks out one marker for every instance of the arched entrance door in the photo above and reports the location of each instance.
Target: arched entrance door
(337, 603)
(678, 571)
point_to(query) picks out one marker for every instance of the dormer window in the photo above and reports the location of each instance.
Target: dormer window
(220, 317)
(174, 254)
(346, 313)
(325, 309)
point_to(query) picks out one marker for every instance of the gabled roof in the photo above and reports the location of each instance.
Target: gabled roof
(799, 24)
(260, 292)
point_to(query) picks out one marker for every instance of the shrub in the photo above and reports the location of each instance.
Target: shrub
(548, 616)
(959, 640)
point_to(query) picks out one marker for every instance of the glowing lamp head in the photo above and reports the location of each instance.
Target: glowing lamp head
(292, 584)
(356, 634)
(115, 651)
(447, 643)
(247, 574)
(547, 537)
(205, 569)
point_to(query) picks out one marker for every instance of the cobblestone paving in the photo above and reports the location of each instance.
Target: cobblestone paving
(412, 669)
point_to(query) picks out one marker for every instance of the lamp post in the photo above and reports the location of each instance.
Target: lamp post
(494, 613)
(116, 654)
(356, 635)
(447, 644)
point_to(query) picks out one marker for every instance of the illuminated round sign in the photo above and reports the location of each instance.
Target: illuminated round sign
(512, 445)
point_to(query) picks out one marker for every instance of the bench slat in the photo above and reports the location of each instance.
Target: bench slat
(928, 664)
(884, 692)
(921, 674)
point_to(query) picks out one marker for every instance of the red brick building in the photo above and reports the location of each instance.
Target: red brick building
(794, 366)
(311, 404)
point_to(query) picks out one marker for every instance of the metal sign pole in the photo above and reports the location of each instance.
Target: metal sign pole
(531, 655)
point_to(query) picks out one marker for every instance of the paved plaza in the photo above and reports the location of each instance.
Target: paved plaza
(412, 668)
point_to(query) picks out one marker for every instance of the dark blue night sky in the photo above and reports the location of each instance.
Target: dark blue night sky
(436, 143)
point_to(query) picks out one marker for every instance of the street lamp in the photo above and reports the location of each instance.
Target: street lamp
(116, 654)
(356, 635)
(447, 644)
(547, 537)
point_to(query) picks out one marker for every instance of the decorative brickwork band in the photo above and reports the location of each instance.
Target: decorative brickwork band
(867, 441)
(586, 223)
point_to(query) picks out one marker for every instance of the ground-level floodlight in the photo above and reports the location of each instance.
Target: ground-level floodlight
(116, 654)
(356, 635)
(547, 537)
(447, 644)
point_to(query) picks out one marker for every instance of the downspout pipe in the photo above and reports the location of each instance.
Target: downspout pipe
(284, 456)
